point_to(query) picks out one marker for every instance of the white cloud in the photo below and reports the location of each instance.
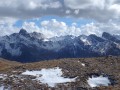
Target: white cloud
(100, 10)
(7, 20)
(106, 14)
(7, 26)
(115, 8)
(76, 11)
(87, 4)
(54, 25)
(7, 29)
(68, 12)
(30, 27)
(24, 4)
(51, 28)
(60, 28)
(90, 28)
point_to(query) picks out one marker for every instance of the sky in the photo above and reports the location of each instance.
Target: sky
(60, 17)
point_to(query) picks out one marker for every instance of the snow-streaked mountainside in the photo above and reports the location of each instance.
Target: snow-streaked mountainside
(28, 47)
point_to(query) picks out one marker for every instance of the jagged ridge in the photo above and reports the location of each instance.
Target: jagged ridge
(29, 47)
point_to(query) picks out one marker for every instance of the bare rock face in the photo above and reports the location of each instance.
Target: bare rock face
(31, 47)
(23, 32)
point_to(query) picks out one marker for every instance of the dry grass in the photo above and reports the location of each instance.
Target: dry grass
(73, 68)
(6, 65)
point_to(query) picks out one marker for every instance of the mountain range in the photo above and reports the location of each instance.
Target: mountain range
(30, 47)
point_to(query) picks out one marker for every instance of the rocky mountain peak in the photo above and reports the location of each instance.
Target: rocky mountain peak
(23, 32)
(110, 37)
(106, 35)
(37, 35)
(95, 38)
(33, 46)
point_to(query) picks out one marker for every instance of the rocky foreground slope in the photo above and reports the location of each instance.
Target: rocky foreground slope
(80, 74)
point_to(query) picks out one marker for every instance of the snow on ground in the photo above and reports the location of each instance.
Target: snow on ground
(51, 76)
(4, 88)
(98, 81)
(3, 76)
(83, 64)
(1, 87)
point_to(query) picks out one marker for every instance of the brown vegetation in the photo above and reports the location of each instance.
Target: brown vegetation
(71, 68)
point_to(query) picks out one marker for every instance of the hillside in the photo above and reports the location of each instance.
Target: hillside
(79, 74)
(31, 47)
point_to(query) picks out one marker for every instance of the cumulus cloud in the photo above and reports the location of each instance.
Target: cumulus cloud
(51, 28)
(115, 8)
(7, 29)
(106, 13)
(100, 10)
(23, 9)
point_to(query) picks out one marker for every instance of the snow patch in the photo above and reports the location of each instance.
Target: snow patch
(3, 76)
(117, 45)
(51, 76)
(98, 81)
(1, 87)
(85, 41)
(46, 40)
(83, 64)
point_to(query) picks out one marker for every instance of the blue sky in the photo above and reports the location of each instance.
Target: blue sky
(68, 21)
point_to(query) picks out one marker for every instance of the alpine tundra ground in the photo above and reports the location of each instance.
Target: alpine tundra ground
(101, 73)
